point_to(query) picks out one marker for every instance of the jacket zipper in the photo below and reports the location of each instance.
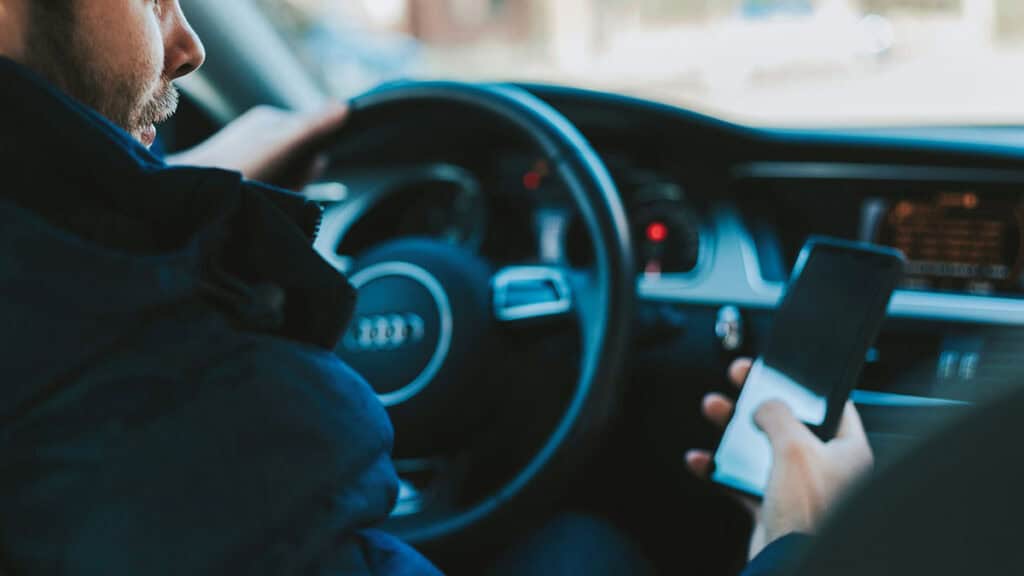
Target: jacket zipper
(316, 222)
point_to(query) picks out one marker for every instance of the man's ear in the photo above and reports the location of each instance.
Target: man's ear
(13, 28)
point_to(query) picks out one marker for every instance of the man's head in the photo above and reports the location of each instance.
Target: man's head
(116, 56)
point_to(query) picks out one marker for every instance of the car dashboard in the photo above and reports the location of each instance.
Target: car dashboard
(950, 199)
(718, 213)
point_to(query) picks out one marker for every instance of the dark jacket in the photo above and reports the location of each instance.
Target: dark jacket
(780, 557)
(170, 401)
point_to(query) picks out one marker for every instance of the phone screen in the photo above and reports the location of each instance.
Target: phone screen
(830, 315)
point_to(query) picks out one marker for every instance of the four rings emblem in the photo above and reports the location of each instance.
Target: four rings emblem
(384, 332)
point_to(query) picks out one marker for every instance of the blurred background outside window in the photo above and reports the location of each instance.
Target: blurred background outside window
(767, 62)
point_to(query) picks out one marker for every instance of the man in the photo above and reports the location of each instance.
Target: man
(126, 77)
(171, 402)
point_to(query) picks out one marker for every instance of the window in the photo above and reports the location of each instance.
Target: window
(776, 62)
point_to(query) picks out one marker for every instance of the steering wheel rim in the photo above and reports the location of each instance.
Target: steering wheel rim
(605, 337)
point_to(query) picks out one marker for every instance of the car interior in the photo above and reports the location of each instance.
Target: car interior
(595, 261)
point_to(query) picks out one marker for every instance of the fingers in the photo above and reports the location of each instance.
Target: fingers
(699, 463)
(323, 125)
(301, 155)
(783, 429)
(739, 370)
(717, 409)
(777, 421)
(301, 136)
(317, 168)
(850, 425)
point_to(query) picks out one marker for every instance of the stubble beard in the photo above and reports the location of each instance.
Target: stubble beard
(125, 97)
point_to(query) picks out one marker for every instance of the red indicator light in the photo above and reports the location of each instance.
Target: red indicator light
(532, 180)
(970, 200)
(657, 232)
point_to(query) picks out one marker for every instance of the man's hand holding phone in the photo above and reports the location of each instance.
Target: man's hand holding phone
(807, 475)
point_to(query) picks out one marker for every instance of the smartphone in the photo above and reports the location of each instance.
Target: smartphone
(829, 317)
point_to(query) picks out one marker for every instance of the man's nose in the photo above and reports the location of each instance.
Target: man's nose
(183, 50)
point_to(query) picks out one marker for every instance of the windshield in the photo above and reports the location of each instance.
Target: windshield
(764, 62)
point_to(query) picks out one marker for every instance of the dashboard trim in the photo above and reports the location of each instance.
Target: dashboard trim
(873, 172)
(890, 400)
(735, 279)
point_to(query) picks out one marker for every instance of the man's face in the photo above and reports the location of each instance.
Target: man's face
(116, 56)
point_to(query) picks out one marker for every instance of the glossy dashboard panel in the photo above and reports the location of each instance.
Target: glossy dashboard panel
(960, 236)
(757, 229)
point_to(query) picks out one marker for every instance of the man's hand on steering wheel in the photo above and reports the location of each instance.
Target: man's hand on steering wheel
(808, 475)
(279, 147)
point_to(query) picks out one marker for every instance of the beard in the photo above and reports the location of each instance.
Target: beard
(129, 97)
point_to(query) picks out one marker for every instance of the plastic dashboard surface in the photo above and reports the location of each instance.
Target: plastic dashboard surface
(938, 350)
(717, 158)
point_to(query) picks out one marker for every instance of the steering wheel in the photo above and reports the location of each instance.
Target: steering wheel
(426, 308)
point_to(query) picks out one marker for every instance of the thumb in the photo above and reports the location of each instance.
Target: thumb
(323, 125)
(850, 425)
(777, 421)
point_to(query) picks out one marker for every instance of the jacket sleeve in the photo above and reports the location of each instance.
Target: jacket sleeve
(338, 498)
(779, 557)
(342, 413)
(200, 451)
(388, 555)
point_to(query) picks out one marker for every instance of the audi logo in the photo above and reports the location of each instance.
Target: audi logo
(384, 332)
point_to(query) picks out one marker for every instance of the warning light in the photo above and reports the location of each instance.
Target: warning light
(532, 180)
(657, 232)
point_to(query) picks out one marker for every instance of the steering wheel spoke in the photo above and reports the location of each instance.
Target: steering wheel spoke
(531, 293)
(588, 300)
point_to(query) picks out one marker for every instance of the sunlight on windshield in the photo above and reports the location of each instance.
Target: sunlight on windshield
(774, 62)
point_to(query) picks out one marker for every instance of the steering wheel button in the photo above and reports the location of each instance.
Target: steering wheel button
(536, 292)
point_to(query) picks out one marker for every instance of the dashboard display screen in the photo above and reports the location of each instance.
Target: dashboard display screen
(953, 241)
